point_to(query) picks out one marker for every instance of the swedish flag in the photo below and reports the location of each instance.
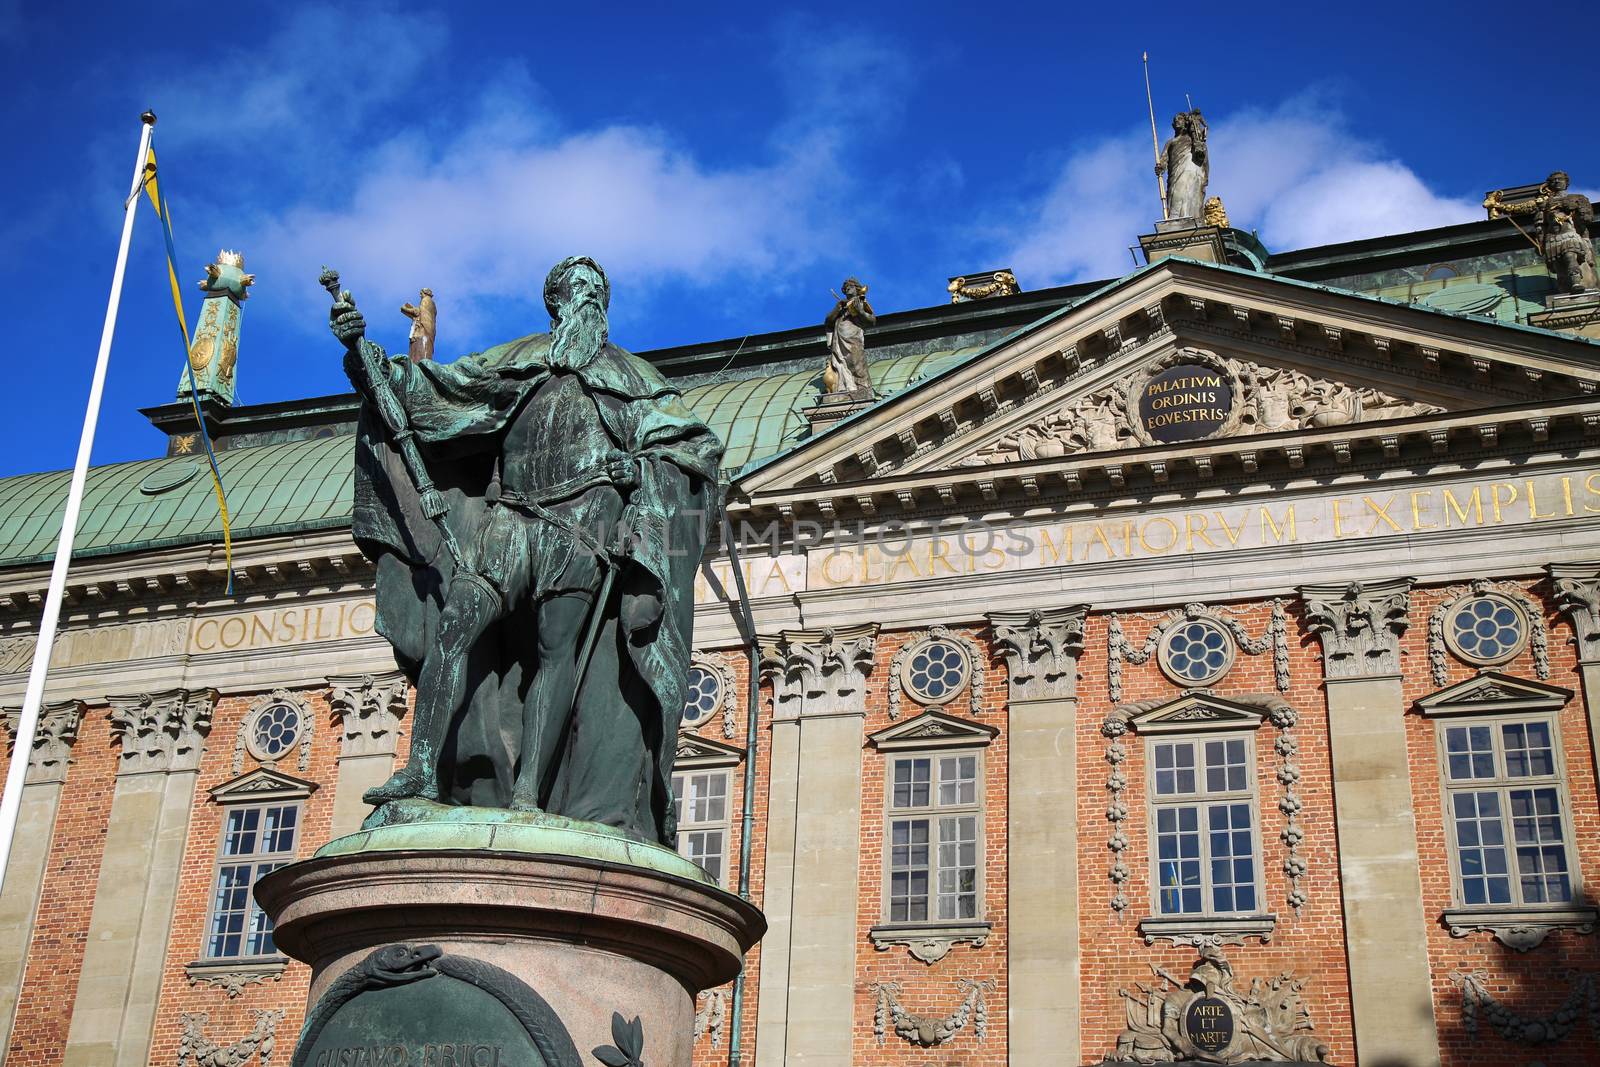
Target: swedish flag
(152, 189)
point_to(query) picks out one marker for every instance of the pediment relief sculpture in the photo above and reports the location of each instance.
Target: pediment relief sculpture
(1217, 396)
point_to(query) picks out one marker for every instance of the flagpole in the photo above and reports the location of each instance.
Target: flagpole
(28, 721)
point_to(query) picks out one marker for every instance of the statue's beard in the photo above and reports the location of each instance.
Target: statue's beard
(579, 333)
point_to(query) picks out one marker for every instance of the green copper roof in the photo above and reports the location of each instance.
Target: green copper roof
(307, 484)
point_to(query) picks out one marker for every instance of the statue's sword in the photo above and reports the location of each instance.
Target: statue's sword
(368, 376)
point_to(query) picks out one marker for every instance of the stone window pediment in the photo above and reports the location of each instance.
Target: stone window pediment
(262, 785)
(933, 729)
(696, 752)
(1493, 693)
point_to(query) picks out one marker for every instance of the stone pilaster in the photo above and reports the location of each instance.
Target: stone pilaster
(368, 709)
(819, 680)
(30, 848)
(1359, 625)
(1041, 650)
(1577, 589)
(162, 736)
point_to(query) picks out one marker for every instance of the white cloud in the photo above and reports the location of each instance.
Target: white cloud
(1294, 173)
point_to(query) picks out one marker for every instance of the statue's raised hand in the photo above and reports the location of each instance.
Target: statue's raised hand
(347, 323)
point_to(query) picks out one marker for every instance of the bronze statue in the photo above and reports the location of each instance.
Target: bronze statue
(847, 342)
(424, 316)
(1565, 219)
(1186, 165)
(536, 513)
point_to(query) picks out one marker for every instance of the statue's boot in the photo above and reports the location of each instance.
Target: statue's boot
(404, 784)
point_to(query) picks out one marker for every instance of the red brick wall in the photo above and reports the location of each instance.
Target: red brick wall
(1535, 983)
(61, 924)
(1310, 944)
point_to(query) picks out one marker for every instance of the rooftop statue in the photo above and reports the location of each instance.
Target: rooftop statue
(536, 513)
(1186, 164)
(847, 342)
(1564, 222)
(424, 316)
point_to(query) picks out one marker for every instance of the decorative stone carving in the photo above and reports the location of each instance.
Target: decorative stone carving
(52, 740)
(1582, 1000)
(1577, 588)
(1206, 931)
(1564, 221)
(1271, 1021)
(1538, 636)
(1264, 400)
(1041, 650)
(819, 672)
(1524, 929)
(235, 978)
(929, 943)
(1359, 625)
(927, 1031)
(195, 1047)
(1113, 729)
(368, 709)
(710, 1013)
(971, 685)
(846, 371)
(161, 732)
(982, 286)
(248, 742)
(1275, 637)
(1287, 747)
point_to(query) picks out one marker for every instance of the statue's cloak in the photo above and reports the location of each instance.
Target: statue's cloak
(458, 412)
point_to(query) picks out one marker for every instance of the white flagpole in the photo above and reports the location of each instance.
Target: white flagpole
(28, 721)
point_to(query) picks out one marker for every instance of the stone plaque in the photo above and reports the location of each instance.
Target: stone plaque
(1185, 403)
(1208, 1023)
(412, 1006)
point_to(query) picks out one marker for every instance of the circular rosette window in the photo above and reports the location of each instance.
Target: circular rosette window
(1196, 652)
(1486, 629)
(275, 730)
(704, 696)
(936, 671)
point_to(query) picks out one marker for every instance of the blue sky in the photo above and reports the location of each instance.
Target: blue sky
(728, 164)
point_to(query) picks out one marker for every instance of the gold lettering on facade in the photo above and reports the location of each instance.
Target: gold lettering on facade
(283, 626)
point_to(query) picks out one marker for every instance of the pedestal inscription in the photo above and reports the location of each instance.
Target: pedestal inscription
(414, 1006)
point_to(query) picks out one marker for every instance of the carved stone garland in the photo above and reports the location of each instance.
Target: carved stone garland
(1283, 716)
(195, 1046)
(1275, 637)
(1538, 635)
(710, 1013)
(233, 983)
(257, 709)
(974, 691)
(927, 1031)
(1476, 998)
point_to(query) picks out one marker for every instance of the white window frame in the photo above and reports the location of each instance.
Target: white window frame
(934, 814)
(255, 860)
(688, 827)
(1203, 800)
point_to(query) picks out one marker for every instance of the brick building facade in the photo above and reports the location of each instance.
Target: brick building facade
(1048, 705)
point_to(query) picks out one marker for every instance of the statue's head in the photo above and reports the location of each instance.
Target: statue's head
(1180, 122)
(851, 287)
(427, 292)
(574, 281)
(1558, 182)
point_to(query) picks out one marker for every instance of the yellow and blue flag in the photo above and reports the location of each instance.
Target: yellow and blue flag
(152, 189)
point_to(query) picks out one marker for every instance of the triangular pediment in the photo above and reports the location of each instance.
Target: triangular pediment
(260, 785)
(1492, 693)
(1195, 712)
(696, 751)
(934, 729)
(1185, 368)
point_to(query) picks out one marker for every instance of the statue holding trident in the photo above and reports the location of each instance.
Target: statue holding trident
(536, 513)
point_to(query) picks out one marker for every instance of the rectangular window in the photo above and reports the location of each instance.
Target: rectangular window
(933, 838)
(700, 799)
(256, 840)
(1203, 834)
(1506, 803)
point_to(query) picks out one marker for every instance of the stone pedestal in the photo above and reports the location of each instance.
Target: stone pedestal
(1577, 312)
(504, 939)
(1187, 237)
